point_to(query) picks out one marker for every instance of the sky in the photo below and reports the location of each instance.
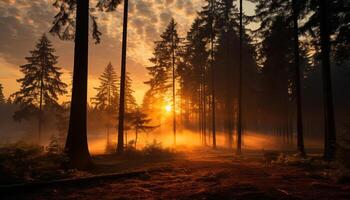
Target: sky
(23, 22)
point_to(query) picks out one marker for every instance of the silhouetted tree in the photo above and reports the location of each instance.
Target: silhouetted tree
(130, 101)
(164, 70)
(120, 145)
(107, 95)
(277, 49)
(300, 131)
(140, 122)
(239, 121)
(69, 27)
(41, 84)
(330, 133)
(213, 100)
(72, 22)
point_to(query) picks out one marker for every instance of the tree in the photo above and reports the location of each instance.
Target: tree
(120, 145)
(107, 95)
(213, 40)
(267, 13)
(2, 97)
(213, 106)
(106, 99)
(130, 101)
(130, 106)
(277, 65)
(41, 84)
(327, 24)
(300, 134)
(239, 123)
(164, 70)
(140, 123)
(72, 22)
(76, 145)
(330, 133)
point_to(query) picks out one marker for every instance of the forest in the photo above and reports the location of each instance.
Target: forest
(249, 102)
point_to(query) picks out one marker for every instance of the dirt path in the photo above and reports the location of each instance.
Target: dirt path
(206, 175)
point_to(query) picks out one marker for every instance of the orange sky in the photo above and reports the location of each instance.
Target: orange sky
(23, 22)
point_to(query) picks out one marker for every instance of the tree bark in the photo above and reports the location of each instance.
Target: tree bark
(239, 110)
(330, 132)
(213, 106)
(76, 144)
(120, 146)
(300, 134)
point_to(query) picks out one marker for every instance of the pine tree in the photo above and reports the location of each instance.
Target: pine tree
(41, 84)
(107, 95)
(76, 145)
(139, 122)
(120, 145)
(300, 131)
(130, 106)
(72, 22)
(330, 132)
(2, 97)
(130, 101)
(163, 72)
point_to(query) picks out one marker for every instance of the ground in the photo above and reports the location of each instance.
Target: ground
(199, 174)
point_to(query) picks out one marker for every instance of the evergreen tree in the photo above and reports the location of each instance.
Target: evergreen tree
(2, 97)
(166, 52)
(107, 95)
(140, 122)
(76, 145)
(300, 131)
(41, 84)
(130, 106)
(325, 34)
(210, 63)
(130, 101)
(279, 74)
(120, 144)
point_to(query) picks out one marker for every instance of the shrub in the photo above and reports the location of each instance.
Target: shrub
(21, 162)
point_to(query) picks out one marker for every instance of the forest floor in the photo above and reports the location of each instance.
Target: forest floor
(199, 174)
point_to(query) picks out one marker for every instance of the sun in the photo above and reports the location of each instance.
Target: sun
(168, 108)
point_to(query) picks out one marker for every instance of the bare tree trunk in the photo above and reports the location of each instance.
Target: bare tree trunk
(120, 145)
(300, 134)
(213, 106)
(239, 121)
(330, 132)
(76, 145)
(136, 133)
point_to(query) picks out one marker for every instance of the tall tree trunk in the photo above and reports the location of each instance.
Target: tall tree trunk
(76, 144)
(239, 110)
(174, 103)
(213, 103)
(40, 117)
(300, 134)
(330, 132)
(120, 146)
(136, 133)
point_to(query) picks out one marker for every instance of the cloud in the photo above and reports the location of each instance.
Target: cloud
(22, 22)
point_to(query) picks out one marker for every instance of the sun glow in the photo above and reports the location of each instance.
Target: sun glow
(168, 108)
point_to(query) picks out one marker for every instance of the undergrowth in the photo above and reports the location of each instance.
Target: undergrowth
(21, 162)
